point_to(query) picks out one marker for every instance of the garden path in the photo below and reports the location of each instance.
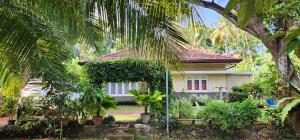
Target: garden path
(126, 112)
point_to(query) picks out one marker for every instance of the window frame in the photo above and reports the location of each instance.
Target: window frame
(193, 78)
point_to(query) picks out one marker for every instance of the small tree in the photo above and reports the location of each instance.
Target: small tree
(95, 101)
(147, 99)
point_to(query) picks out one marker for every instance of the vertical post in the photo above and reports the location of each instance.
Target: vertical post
(167, 98)
(221, 95)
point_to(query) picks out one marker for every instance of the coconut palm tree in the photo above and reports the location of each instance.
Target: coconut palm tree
(37, 35)
(229, 37)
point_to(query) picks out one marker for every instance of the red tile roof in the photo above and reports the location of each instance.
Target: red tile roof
(191, 55)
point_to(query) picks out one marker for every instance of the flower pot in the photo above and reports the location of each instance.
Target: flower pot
(82, 121)
(186, 121)
(145, 118)
(97, 120)
(64, 121)
(11, 122)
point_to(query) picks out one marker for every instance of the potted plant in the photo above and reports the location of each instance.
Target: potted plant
(148, 100)
(96, 103)
(10, 107)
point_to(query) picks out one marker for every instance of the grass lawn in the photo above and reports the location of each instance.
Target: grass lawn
(127, 112)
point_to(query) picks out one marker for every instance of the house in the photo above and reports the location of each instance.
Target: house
(198, 73)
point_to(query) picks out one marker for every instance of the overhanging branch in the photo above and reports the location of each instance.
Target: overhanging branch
(229, 16)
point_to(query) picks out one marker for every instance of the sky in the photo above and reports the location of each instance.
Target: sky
(211, 17)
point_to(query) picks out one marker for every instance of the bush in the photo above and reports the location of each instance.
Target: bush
(182, 108)
(199, 100)
(173, 123)
(230, 116)
(237, 96)
(240, 93)
(109, 120)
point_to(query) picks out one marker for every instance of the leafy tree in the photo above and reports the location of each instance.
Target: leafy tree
(274, 22)
(41, 32)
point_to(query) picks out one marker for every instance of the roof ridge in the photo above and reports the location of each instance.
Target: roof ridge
(114, 53)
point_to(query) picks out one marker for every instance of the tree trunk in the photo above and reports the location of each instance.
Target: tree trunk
(287, 71)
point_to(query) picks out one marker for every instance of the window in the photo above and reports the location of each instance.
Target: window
(203, 83)
(196, 84)
(120, 89)
(189, 85)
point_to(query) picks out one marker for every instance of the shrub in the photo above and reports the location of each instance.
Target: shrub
(182, 108)
(109, 120)
(173, 123)
(230, 116)
(199, 100)
(240, 93)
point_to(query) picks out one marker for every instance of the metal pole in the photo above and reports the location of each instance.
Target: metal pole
(167, 98)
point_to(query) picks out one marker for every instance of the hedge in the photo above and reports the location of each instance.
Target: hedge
(129, 70)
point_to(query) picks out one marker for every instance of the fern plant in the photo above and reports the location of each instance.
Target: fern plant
(293, 102)
(288, 108)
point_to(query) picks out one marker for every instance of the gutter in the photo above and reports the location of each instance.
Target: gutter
(230, 67)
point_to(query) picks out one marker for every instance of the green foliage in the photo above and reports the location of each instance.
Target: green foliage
(267, 76)
(182, 107)
(240, 93)
(288, 108)
(237, 94)
(152, 100)
(199, 100)
(95, 101)
(58, 103)
(228, 116)
(173, 123)
(9, 105)
(273, 114)
(109, 120)
(129, 70)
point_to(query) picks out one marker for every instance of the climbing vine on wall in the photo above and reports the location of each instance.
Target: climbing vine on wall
(129, 70)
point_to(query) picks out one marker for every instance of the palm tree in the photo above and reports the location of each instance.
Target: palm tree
(198, 35)
(37, 35)
(226, 35)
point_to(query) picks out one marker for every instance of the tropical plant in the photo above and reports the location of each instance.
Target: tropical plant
(148, 99)
(293, 102)
(96, 102)
(273, 115)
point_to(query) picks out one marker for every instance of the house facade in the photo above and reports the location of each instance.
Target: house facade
(199, 73)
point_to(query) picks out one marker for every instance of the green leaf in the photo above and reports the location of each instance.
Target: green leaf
(231, 4)
(297, 52)
(291, 34)
(246, 12)
(288, 108)
(293, 44)
(276, 35)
